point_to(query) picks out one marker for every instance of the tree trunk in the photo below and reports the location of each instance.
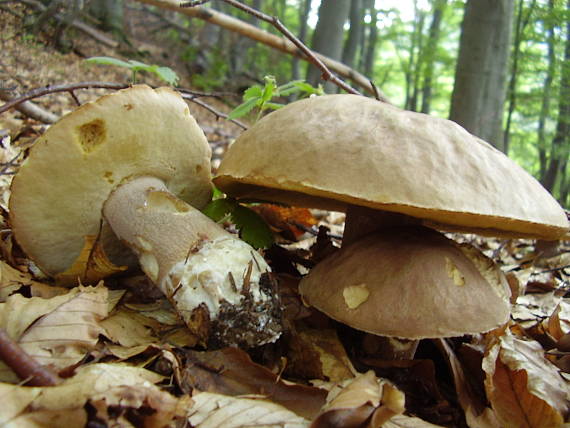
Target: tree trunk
(430, 50)
(328, 36)
(413, 67)
(521, 23)
(546, 92)
(110, 14)
(561, 141)
(353, 40)
(480, 76)
(304, 11)
(370, 52)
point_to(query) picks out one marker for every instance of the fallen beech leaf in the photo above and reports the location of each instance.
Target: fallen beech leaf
(403, 421)
(12, 279)
(120, 385)
(318, 354)
(221, 411)
(364, 402)
(559, 322)
(230, 371)
(57, 332)
(523, 387)
(91, 266)
(286, 220)
(477, 414)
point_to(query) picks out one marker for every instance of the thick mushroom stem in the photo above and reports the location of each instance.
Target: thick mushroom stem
(219, 285)
(362, 221)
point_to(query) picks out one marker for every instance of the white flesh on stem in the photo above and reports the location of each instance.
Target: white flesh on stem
(193, 260)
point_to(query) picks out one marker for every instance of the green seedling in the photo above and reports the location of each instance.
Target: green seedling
(252, 228)
(164, 73)
(262, 96)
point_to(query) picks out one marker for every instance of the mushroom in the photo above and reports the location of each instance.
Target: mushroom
(133, 168)
(409, 283)
(388, 169)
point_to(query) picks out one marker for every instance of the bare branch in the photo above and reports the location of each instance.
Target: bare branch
(23, 365)
(187, 94)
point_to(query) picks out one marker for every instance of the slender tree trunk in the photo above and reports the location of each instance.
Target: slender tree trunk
(480, 76)
(328, 36)
(521, 23)
(414, 64)
(546, 92)
(370, 53)
(433, 40)
(304, 11)
(353, 40)
(561, 141)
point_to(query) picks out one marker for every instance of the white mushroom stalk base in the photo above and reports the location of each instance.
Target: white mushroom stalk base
(220, 286)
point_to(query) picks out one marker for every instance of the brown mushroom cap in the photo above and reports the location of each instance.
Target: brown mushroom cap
(335, 150)
(59, 191)
(410, 283)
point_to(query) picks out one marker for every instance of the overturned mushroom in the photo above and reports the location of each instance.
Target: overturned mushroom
(391, 170)
(135, 166)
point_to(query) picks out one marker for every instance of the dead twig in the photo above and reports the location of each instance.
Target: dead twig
(27, 369)
(187, 94)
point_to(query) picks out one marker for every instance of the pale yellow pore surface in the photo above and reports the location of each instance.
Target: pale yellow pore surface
(60, 189)
(335, 150)
(411, 292)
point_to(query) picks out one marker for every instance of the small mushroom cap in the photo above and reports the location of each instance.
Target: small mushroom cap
(58, 193)
(334, 150)
(411, 283)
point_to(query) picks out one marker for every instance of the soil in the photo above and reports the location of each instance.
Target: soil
(28, 62)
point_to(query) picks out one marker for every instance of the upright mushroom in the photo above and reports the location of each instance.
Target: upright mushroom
(133, 168)
(389, 169)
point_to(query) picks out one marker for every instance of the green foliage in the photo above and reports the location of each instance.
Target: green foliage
(252, 228)
(262, 96)
(164, 73)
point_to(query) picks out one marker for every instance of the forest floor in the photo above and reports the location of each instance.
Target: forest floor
(446, 387)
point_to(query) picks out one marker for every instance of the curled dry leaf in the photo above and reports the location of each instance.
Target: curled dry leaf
(231, 371)
(91, 266)
(57, 332)
(119, 385)
(364, 402)
(318, 354)
(12, 279)
(403, 421)
(221, 411)
(523, 387)
(477, 414)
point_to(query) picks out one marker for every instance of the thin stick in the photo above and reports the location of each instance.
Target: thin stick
(24, 365)
(187, 94)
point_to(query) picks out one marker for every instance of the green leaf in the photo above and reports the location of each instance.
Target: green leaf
(168, 75)
(106, 60)
(243, 108)
(274, 106)
(219, 208)
(252, 227)
(254, 91)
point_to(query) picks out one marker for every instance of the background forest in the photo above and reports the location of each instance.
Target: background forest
(499, 68)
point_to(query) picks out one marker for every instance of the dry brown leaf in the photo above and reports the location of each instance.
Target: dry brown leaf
(286, 220)
(91, 266)
(12, 279)
(221, 411)
(363, 402)
(114, 384)
(477, 414)
(318, 354)
(523, 387)
(403, 421)
(231, 371)
(56, 332)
